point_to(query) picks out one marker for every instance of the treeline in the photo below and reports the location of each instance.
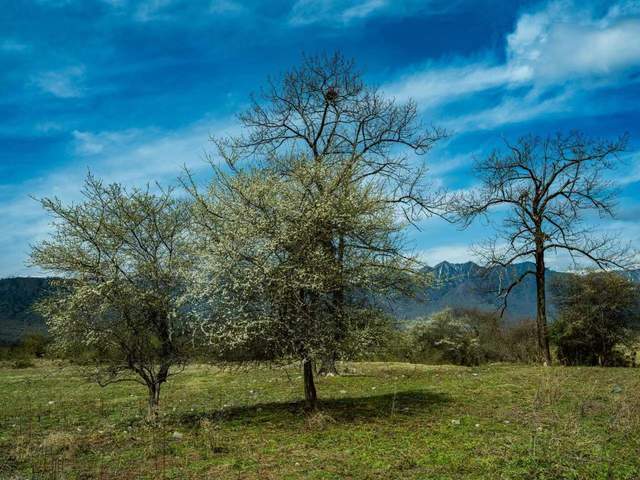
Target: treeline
(461, 337)
(17, 296)
(301, 225)
(598, 324)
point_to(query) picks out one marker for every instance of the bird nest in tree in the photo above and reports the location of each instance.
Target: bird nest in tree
(331, 95)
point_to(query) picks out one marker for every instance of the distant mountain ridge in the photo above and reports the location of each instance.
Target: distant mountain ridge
(469, 285)
(455, 285)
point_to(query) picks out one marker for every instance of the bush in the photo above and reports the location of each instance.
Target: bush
(22, 363)
(32, 345)
(471, 337)
(520, 343)
(597, 313)
(35, 344)
(461, 337)
(394, 344)
(446, 337)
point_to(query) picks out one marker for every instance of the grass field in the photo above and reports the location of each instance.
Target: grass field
(378, 421)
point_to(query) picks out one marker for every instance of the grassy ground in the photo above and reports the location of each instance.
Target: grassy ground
(379, 421)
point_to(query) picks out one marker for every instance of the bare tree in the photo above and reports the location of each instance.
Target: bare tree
(548, 185)
(324, 112)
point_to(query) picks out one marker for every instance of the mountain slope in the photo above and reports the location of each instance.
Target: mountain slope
(468, 285)
(17, 296)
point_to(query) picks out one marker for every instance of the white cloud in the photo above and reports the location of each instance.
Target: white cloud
(66, 83)
(437, 83)
(90, 143)
(562, 41)
(459, 253)
(224, 7)
(130, 157)
(631, 173)
(340, 13)
(154, 10)
(48, 127)
(13, 46)
(561, 45)
(306, 12)
(512, 109)
(362, 9)
(151, 9)
(441, 165)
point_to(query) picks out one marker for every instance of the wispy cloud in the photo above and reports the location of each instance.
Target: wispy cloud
(167, 10)
(566, 40)
(340, 13)
(130, 157)
(514, 109)
(151, 9)
(564, 43)
(65, 83)
(305, 12)
(10, 45)
(95, 143)
(631, 173)
(226, 7)
(451, 253)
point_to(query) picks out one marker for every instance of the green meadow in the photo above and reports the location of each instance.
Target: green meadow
(376, 421)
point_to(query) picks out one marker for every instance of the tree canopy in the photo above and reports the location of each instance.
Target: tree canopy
(121, 255)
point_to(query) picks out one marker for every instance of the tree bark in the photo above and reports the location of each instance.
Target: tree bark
(329, 366)
(154, 401)
(541, 317)
(329, 361)
(310, 395)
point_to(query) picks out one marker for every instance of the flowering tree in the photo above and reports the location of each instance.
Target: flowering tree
(265, 275)
(324, 113)
(121, 254)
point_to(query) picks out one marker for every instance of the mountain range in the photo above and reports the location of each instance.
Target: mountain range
(454, 285)
(470, 286)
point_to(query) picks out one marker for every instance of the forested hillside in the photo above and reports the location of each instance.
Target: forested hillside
(17, 296)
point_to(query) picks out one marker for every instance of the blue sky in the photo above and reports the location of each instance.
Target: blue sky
(132, 90)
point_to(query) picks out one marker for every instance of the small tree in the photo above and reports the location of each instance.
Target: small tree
(548, 185)
(447, 337)
(596, 314)
(265, 271)
(121, 255)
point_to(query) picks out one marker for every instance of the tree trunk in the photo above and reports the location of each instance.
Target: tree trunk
(310, 395)
(329, 367)
(541, 317)
(154, 401)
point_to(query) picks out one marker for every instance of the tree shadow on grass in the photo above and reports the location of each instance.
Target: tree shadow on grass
(347, 409)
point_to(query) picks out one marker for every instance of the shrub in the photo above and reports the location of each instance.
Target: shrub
(22, 363)
(520, 343)
(459, 336)
(447, 337)
(462, 337)
(597, 314)
(35, 344)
